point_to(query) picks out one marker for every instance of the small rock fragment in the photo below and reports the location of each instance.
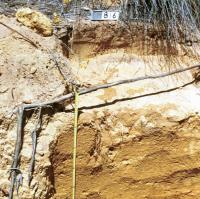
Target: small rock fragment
(33, 70)
(196, 75)
(3, 89)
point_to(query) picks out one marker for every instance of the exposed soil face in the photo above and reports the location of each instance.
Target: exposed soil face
(138, 140)
(129, 148)
(131, 154)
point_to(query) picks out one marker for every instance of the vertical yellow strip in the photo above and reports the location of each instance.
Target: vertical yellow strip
(66, 1)
(75, 144)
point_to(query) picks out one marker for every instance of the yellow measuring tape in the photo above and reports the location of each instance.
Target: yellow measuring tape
(75, 144)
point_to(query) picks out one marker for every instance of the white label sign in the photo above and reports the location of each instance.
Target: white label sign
(110, 15)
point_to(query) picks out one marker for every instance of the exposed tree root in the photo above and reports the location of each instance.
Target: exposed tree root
(34, 145)
(18, 146)
(23, 36)
(83, 91)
